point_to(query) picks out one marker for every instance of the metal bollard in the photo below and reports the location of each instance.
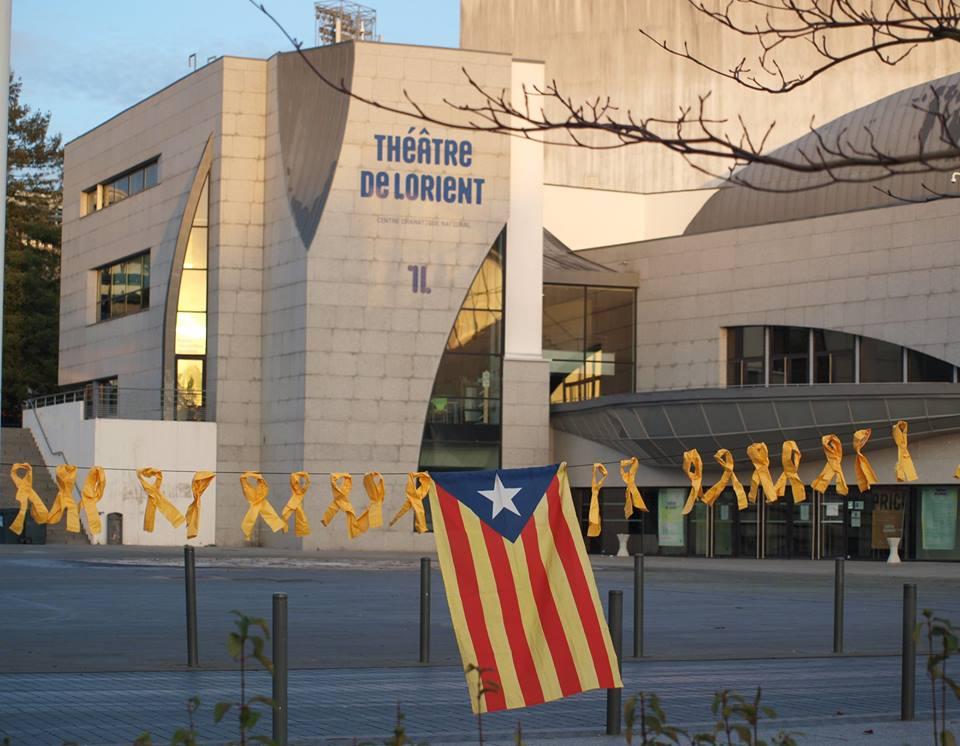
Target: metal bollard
(838, 606)
(615, 696)
(638, 605)
(190, 581)
(424, 609)
(280, 669)
(908, 665)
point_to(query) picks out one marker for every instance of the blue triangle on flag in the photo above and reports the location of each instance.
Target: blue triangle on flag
(504, 499)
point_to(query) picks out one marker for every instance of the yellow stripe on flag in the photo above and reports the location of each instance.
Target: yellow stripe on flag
(542, 657)
(459, 619)
(492, 610)
(566, 603)
(570, 516)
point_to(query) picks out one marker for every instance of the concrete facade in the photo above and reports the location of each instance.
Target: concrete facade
(321, 356)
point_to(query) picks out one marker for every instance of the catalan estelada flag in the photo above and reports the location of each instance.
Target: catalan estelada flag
(520, 587)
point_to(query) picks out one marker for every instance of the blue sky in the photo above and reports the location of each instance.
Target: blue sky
(85, 61)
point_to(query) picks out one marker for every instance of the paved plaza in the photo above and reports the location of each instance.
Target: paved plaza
(93, 649)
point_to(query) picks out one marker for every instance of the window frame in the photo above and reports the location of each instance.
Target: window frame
(99, 192)
(144, 288)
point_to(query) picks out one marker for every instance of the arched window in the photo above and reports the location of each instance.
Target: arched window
(190, 344)
(462, 429)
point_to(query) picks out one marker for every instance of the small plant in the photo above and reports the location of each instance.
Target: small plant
(942, 643)
(652, 721)
(400, 737)
(484, 686)
(237, 642)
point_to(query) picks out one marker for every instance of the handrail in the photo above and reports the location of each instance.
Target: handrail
(104, 401)
(60, 454)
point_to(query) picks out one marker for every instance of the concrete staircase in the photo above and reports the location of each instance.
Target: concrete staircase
(18, 446)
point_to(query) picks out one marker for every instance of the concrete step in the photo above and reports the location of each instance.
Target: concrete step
(17, 445)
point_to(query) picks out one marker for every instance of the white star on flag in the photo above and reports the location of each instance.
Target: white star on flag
(501, 497)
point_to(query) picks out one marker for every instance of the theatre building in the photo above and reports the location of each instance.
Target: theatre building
(260, 273)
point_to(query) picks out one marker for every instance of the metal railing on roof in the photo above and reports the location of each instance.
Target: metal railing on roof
(105, 401)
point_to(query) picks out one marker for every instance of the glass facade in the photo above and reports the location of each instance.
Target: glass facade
(190, 345)
(779, 355)
(462, 429)
(589, 337)
(124, 287)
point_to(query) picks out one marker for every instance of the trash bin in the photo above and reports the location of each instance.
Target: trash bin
(33, 533)
(114, 528)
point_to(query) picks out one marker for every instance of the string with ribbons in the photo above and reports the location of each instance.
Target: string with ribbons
(693, 466)
(866, 476)
(790, 458)
(596, 482)
(759, 456)
(256, 489)
(628, 473)
(64, 506)
(156, 500)
(299, 484)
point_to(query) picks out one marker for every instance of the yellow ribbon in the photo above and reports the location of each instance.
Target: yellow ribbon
(759, 456)
(341, 483)
(201, 480)
(725, 459)
(299, 484)
(595, 484)
(866, 476)
(418, 486)
(833, 450)
(64, 502)
(26, 497)
(373, 484)
(790, 457)
(256, 495)
(157, 500)
(906, 472)
(693, 466)
(628, 473)
(956, 474)
(90, 495)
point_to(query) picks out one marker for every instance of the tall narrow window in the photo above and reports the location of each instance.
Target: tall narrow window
(462, 429)
(190, 346)
(833, 356)
(789, 354)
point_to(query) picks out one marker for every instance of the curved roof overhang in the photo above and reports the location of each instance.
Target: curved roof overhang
(659, 426)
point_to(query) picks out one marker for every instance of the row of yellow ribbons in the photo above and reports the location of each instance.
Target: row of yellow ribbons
(255, 490)
(761, 479)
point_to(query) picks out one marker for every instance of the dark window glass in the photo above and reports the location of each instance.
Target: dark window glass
(564, 324)
(789, 354)
(150, 175)
(833, 356)
(610, 324)
(921, 367)
(121, 188)
(745, 356)
(136, 182)
(124, 287)
(880, 362)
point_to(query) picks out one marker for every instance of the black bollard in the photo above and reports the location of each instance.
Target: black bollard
(615, 696)
(190, 581)
(908, 665)
(280, 669)
(638, 605)
(838, 606)
(424, 609)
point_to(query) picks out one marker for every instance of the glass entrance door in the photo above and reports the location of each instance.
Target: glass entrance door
(833, 539)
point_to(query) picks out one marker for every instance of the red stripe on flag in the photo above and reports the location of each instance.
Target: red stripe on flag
(512, 618)
(549, 616)
(469, 592)
(563, 539)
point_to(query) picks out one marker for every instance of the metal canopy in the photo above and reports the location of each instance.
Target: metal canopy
(659, 426)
